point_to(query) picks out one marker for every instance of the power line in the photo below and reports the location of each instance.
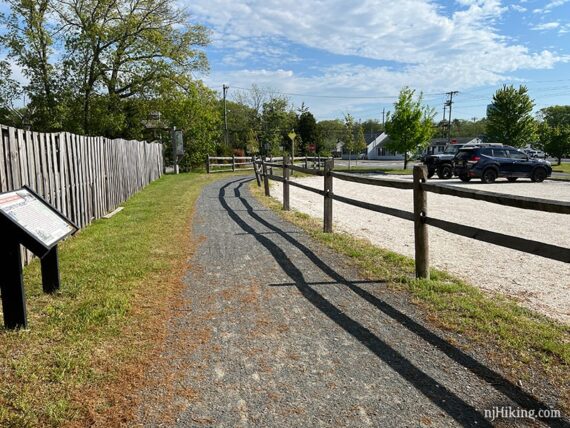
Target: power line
(352, 97)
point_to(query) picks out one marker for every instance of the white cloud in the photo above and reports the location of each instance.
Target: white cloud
(415, 43)
(555, 3)
(518, 8)
(546, 26)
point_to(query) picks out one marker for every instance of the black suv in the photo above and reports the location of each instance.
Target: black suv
(488, 163)
(442, 164)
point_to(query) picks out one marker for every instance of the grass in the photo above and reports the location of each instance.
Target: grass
(89, 344)
(519, 340)
(563, 167)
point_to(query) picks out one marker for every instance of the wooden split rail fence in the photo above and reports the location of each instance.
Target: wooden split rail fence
(420, 188)
(224, 163)
(83, 177)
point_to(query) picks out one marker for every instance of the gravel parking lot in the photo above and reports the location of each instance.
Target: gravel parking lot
(537, 283)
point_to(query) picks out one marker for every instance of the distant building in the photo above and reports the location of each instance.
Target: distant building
(376, 149)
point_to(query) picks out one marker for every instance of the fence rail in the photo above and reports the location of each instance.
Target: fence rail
(83, 177)
(240, 162)
(420, 217)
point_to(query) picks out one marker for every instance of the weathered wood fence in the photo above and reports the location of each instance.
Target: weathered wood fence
(83, 177)
(420, 187)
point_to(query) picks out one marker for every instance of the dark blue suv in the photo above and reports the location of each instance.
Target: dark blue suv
(489, 163)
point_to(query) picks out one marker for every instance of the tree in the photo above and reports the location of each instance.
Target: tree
(348, 137)
(308, 131)
(554, 131)
(359, 143)
(276, 122)
(29, 40)
(410, 127)
(108, 51)
(509, 117)
(331, 132)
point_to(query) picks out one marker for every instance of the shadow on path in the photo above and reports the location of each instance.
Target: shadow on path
(445, 399)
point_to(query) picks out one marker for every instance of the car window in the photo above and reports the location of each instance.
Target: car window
(463, 154)
(515, 154)
(452, 149)
(500, 153)
(487, 152)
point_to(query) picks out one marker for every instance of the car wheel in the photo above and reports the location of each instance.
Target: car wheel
(445, 172)
(512, 179)
(430, 173)
(538, 175)
(464, 178)
(489, 176)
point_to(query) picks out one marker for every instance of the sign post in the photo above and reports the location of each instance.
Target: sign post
(27, 219)
(177, 147)
(13, 296)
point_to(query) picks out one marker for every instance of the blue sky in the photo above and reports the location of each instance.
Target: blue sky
(354, 56)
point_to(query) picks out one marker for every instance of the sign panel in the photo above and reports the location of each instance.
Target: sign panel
(178, 139)
(35, 216)
(312, 148)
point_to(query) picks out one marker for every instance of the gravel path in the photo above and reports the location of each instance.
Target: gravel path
(537, 283)
(276, 330)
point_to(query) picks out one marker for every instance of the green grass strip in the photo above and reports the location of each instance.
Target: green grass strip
(76, 339)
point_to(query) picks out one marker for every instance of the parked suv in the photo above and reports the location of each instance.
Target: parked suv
(489, 163)
(442, 164)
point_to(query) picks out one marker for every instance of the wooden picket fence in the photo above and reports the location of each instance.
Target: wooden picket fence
(83, 177)
(420, 187)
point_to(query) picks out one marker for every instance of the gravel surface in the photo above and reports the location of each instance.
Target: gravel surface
(537, 283)
(276, 330)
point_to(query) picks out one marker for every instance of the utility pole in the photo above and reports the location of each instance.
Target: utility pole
(450, 104)
(225, 88)
(443, 127)
(383, 115)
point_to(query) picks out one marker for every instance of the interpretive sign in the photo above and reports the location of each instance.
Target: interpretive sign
(27, 219)
(35, 217)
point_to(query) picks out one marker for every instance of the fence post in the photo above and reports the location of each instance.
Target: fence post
(420, 227)
(286, 206)
(257, 174)
(328, 208)
(233, 163)
(208, 164)
(306, 164)
(265, 178)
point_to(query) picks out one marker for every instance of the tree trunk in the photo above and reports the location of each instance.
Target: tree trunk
(559, 160)
(349, 156)
(405, 160)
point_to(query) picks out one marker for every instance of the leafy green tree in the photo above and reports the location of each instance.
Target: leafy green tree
(469, 128)
(509, 117)
(29, 39)
(554, 131)
(359, 143)
(308, 131)
(108, 51)
(242, 120)
(410, 127)
(276, 122)
(348, 141)
(331, 133)
(372, 126)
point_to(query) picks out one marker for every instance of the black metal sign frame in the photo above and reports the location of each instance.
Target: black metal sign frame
(11, 280)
